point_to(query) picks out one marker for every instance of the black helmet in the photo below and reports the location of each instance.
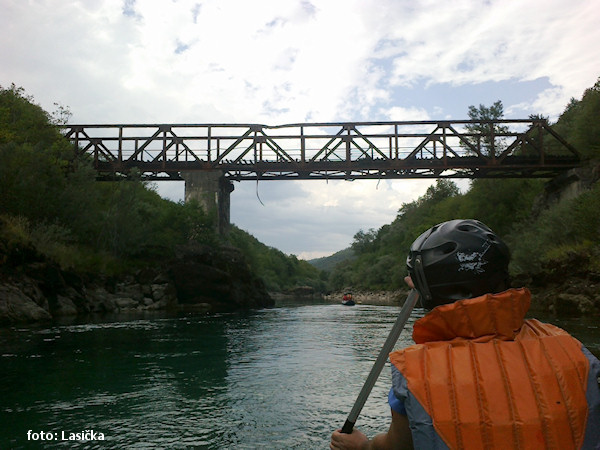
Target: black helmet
(455, 260)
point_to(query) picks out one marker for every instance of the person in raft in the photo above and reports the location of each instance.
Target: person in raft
(480, 376)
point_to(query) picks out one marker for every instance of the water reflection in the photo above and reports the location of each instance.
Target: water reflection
(136, 378)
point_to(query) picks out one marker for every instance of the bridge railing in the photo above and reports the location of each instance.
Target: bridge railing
(345, 150)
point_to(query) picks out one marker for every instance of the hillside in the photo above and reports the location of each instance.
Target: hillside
(547, 224)
(328, 263)
(72, 245)
(280, 272)
(59, 229)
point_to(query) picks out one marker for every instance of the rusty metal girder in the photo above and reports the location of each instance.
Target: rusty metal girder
(415, 149)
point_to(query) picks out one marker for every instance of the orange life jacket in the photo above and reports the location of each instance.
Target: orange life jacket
(490, 379)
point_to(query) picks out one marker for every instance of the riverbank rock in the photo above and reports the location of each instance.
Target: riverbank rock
(220, 278)
(566, 287)
(298, 293)
(17, 307)
(34, 289)
(379, 298)
(576, 297)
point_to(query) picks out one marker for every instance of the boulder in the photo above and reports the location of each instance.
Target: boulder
(34, 288)
(126, 303)
(101, 300)
(572, 304)
(16, 307)
(302, 291)
(161, 304)
(64, 307)
(163, 291)
(219, 277)
(28, 287)
(130, 290)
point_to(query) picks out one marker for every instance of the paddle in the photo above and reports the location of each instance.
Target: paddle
(407, 308)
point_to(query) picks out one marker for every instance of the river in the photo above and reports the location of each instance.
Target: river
(277, 378)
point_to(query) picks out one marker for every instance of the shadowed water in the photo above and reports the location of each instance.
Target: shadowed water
(277, 378)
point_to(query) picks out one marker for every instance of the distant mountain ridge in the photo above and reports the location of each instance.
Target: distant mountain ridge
(327, 263)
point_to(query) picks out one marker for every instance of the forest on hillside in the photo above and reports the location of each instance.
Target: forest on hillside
(539, 233)
(51, 203)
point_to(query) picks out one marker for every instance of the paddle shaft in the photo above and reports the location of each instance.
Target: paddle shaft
(407, 308)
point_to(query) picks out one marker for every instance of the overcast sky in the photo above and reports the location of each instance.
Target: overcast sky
(287, 61)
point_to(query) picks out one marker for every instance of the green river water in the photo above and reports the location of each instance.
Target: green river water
(275, 379)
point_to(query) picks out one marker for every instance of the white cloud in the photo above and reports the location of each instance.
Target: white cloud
(398, 113)
(466, 42)
(319, 217)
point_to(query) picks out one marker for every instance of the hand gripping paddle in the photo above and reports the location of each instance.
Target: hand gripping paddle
(407, 308)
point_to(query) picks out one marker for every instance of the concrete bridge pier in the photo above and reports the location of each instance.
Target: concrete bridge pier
(212, 191)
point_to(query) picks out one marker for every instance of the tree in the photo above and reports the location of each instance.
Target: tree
(22, 121)
(579, 124)
(43, 182)
(442, 189)
(586, 126)
(363, 241)
(499, 203)
(510, 207)
(488, 139)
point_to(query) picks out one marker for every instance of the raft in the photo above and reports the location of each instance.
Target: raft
(347, 299)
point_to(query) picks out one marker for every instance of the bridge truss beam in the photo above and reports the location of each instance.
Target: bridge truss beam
(357, 150)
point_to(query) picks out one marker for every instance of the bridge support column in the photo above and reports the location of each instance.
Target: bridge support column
(212, 191)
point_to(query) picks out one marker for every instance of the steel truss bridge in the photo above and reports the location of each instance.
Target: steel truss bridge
(345, 150)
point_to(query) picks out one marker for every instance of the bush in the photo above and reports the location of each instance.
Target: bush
(58, 206)
(568, 226)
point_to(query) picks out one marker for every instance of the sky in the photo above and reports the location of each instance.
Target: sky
(289, 61)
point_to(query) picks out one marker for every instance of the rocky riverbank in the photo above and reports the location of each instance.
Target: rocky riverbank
(575, 298)
(199, 278)
(566, 287)
(379, 298)
(560, 290)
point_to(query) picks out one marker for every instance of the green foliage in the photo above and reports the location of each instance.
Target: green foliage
(569, 226)
(490, 144)
(364, 241)
(579, 124)
(381, 254)
(506, 205)
(500, 202)
(327, 263)
(51, 201)
(69, 216)
(279, 271)
(437, 205)
(23, 122)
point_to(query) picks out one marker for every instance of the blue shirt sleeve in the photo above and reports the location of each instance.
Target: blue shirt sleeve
(395, 404)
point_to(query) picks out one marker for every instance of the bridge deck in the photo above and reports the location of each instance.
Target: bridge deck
(416, 149)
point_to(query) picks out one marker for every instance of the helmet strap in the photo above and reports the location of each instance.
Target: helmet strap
(421, 282)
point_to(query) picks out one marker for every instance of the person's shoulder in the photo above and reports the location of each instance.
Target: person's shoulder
(594, 361)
